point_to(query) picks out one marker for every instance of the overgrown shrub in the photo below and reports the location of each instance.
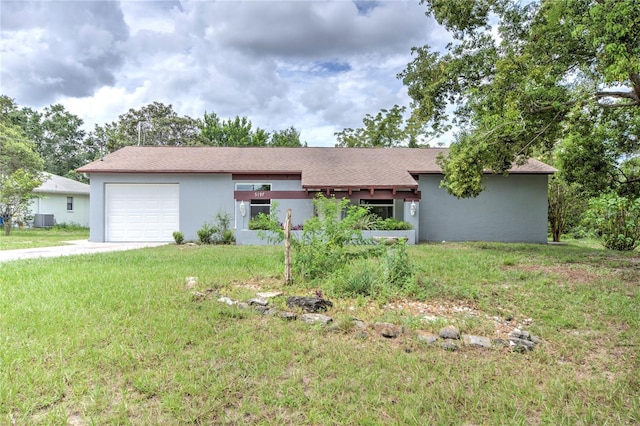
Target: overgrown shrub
(616, 220)
(178, 237)
(385, 271)
(326, 239)
(220, 233)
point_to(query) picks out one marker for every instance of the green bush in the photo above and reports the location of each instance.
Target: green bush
(205, 233)
(385, 270)
(219, 233)
(616, 220)
(392, 224)
(178, 237)
(326, 239)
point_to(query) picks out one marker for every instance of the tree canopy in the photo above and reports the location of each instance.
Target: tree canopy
(387, 129)
(20, 167)
(524, 76)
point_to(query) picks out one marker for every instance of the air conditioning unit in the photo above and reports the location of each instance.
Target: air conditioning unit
(43, 221)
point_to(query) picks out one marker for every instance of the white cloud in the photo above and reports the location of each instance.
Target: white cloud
(319, 66)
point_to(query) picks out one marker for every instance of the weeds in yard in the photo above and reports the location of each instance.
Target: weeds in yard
(117, 339)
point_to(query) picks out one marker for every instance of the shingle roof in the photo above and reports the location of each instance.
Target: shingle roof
(55, 184)
(319, 167)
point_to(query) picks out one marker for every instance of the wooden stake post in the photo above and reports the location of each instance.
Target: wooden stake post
(288, 278)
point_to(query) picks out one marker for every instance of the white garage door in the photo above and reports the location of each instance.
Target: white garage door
(141, 212)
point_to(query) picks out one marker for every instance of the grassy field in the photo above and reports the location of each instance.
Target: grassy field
(117, 338)
(30, 238)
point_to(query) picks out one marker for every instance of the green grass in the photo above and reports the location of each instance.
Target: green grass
(40, 237)
(116, 338)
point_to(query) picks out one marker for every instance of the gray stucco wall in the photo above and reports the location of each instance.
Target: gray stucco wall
(510, 209)
(201, 198)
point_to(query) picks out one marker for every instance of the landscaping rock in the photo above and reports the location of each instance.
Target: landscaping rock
(521, 345)
(258, 301)
(316, 319)
(426, 337)
(198, 296)
(357, 323)
(520, 334)
(260, 309)
(289, 316)
(243, 305)
(227, 300)
(449, 345)
(449, 332)
(269, 294)
(388, 330)
(476, 341)
(309, 304)
(192, 282)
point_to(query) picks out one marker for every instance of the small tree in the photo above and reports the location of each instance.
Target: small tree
(20, 167)
(322, 246)
(565, 206)
(15, 195)
(616, 220)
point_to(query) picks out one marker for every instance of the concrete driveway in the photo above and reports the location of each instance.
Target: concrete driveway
(74, 247)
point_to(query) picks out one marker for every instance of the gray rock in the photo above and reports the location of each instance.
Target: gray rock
(449, 332)
(388, 330)
(476, 341)
(260, 309)
(536, 340)
(316, 319)
(449, 345)
(198, 296)
(309, 304)
(289, 316)
(521, 345)
(227, 300)
(359, 324)
(243, 305)
(258, 301)
(520, 334)
(426, 337)
(500, 342)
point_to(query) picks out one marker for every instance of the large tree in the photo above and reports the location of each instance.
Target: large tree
(20, 167)
(57, 134)
(239, 132)
(522, 76)
(154, 124)
(387, 129)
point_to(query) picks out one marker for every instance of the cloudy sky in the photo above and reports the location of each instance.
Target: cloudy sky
(319, 66)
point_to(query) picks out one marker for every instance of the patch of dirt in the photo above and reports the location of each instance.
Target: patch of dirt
(569, 274)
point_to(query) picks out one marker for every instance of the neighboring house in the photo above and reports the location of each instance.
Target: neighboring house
(61, 200)
(146, 193)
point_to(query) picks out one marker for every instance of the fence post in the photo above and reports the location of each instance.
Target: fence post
(288, 278)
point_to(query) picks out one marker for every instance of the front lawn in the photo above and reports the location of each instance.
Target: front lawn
(40, 237)
(118, 338)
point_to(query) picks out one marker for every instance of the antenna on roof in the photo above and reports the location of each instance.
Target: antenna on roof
(140, 123)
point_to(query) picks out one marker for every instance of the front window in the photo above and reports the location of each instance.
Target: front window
(381, 208)
(69, 204)
(259, 202)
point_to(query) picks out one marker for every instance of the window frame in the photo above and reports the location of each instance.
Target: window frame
(70, 204)
(384, 203)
